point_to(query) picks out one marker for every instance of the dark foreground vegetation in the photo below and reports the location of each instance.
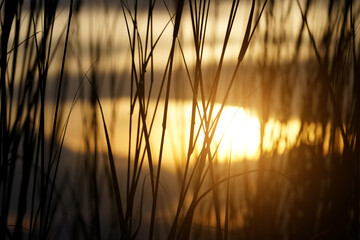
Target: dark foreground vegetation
(308, 191)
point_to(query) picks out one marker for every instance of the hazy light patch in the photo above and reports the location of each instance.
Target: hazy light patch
(238, 132)
(237, 135)
(280, 136)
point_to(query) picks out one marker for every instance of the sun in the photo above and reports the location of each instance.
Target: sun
(237, 134)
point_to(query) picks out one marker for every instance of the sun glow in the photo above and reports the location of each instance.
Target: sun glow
(238, 134)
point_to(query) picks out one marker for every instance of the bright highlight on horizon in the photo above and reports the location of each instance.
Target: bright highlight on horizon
(237, 136)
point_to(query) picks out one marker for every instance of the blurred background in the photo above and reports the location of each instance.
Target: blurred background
(180, 119)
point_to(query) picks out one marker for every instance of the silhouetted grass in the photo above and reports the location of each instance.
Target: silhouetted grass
(24, 77)
(302, 192)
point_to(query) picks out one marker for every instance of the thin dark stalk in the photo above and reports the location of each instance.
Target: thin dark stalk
(57, 109)
(226, 227)
(124, 230)
(179, 9)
